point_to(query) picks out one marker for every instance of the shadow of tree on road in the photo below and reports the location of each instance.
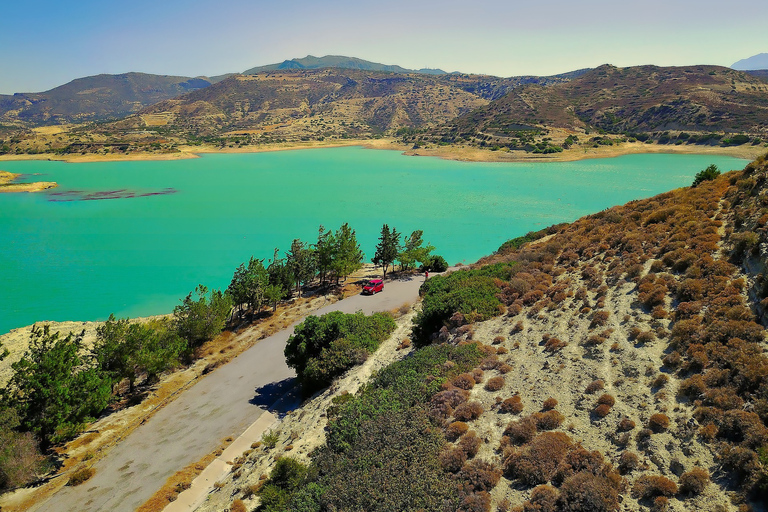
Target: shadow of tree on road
(278, 397)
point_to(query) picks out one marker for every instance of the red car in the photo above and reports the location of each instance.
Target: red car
(373, 286)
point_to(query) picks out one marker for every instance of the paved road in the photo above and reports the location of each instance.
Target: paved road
(222, 404)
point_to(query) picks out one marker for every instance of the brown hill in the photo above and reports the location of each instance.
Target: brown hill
(95, 98)
(634, 99)
(330, 102)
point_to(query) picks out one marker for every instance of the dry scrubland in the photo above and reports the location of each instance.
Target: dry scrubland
(619, 367)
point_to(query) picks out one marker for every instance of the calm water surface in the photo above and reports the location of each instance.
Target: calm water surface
(134, 237)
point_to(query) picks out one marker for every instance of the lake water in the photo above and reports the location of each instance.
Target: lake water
(134, 237)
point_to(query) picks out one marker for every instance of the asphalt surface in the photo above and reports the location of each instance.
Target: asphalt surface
(222, 404)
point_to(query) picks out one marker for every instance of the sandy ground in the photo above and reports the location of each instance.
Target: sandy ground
(461, 153)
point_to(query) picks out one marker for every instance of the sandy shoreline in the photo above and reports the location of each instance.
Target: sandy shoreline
(459, 153)
(7, 185)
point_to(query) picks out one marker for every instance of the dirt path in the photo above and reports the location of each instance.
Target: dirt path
(223, 404)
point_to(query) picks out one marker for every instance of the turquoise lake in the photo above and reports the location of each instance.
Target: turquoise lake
(134, 237)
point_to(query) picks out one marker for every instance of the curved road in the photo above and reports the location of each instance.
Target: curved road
(222, 404)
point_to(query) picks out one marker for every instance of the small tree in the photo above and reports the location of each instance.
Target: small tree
(414, 251)
(347, 256)
(273, 294)
(53, 389)
(248, 283)
(324, 251)
(301, 263)
(198, 321)
(127, 350)
(708, 174)
(387, 249)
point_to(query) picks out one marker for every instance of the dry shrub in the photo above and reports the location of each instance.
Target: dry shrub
(504, 368)
(518, 328)
(595, 386)
(628, 462)
(548, 420)
(626, 424)
(478, 374)
(494, 384)
(658, 422)
(693, 387)
(470, 444)
(404, 343)
(443, 403)
(513, 405)
(659, 312)
(660, 504)
(645, 337)
(80, 476)
(554, 344)
(521, 432)
(238, 506)
(602, 410)
(536, 462)
(468, 411)
(599, 319)
(660, 381)
(479, 475)
(475, 502)
(694, 482)
(549, 404)
(651, 486)
(452, 459)
(464, 381)
(606, 399)
(708, 432)
(543, 499)
(499, 339)
(585, 491)
(455, 430)
(502, 350)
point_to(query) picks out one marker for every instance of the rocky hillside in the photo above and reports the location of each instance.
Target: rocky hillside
(95, 98)
(638, 100)
(611, 364)
(310, 104)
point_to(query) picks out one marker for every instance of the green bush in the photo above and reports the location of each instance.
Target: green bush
(470, 292)
(382, 451)
(708, 174)
(322, 348)
(434, 263)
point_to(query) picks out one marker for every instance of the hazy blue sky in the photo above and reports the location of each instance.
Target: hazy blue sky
(45, 43)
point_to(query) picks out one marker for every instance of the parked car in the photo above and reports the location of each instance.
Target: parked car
(373, 286)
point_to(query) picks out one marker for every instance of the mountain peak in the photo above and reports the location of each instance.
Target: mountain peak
(759, 61)
(339, 61)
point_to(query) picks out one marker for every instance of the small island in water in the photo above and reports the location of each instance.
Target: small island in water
(7, 185)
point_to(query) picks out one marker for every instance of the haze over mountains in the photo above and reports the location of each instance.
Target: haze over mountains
(759, 61)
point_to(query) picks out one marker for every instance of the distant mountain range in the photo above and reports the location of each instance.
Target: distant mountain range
(759, 61)
(341, 62)
(95, 98)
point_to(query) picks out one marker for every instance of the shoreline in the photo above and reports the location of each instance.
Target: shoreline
(7, 185)
(456, 153)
